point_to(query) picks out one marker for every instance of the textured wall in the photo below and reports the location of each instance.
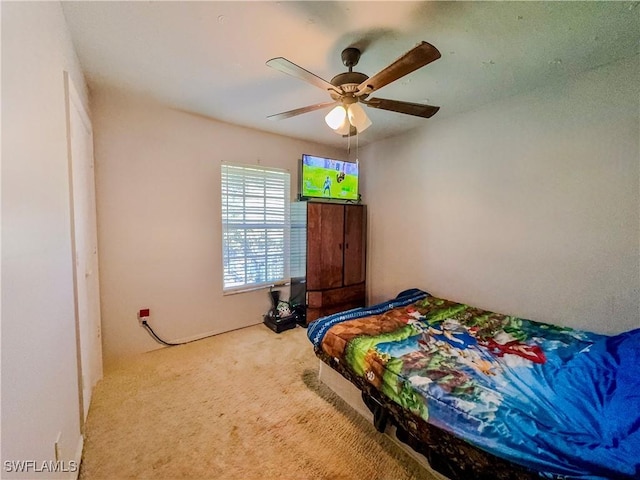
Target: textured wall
(529, 206)
(159, 219)
(39, 367)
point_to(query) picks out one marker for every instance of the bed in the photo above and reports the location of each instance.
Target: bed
(486, 395)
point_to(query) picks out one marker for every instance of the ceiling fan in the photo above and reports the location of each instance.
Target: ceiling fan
(350, 89)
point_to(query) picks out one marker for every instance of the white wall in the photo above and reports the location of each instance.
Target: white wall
(529, 206)
(159, 219)
(39, 369)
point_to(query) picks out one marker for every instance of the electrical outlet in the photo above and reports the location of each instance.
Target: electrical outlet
(143, 314)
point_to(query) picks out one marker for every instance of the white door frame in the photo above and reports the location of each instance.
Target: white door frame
(84, 247)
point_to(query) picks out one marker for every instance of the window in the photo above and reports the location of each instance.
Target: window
(255, 226)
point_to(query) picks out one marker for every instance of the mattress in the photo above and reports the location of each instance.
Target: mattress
(555, 401)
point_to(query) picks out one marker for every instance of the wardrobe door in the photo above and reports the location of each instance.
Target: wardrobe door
(354, 244)
(325, 243)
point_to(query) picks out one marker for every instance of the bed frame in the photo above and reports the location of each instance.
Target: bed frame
(353, 397)
(441, 453)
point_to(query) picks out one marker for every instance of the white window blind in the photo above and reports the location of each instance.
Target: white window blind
(255, 226)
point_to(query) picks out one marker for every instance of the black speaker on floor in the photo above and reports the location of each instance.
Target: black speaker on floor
(280, 324)
(298, 299)
(281, 316)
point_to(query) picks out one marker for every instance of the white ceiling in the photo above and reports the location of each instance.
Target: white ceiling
(209, 57)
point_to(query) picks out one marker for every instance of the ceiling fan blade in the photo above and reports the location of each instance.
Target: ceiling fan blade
(300, 111)
(409, 108)
(285, 66)
(414, 59)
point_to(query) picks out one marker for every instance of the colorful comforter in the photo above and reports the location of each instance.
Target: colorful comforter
(560, 401)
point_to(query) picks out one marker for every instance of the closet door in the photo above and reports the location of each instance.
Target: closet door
(325, 238)
(354, 244)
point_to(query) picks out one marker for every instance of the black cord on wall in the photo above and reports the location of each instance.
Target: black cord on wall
(157, 338)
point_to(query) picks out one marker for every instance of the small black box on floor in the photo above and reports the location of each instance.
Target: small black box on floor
(280, 324)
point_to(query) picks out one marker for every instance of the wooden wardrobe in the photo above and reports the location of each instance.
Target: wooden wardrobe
(335, 258)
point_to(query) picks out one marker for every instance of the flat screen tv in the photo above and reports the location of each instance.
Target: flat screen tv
(328, 178)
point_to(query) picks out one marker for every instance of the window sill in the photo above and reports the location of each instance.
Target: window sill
(253, 288)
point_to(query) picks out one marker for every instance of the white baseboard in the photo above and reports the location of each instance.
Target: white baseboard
(352, 395)
(213, 333)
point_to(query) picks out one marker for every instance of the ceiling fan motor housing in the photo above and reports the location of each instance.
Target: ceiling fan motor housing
(348, 82)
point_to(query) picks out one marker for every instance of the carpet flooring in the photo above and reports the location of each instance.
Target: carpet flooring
(241, 405)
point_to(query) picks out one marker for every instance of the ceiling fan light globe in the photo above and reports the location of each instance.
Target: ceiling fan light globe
(358, 117)
(336, 118)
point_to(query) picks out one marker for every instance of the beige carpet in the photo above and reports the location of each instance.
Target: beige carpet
(241, 405)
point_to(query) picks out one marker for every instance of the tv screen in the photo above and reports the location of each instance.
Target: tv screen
(328, 178)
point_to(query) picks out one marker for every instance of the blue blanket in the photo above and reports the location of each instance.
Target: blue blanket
(560, 401)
